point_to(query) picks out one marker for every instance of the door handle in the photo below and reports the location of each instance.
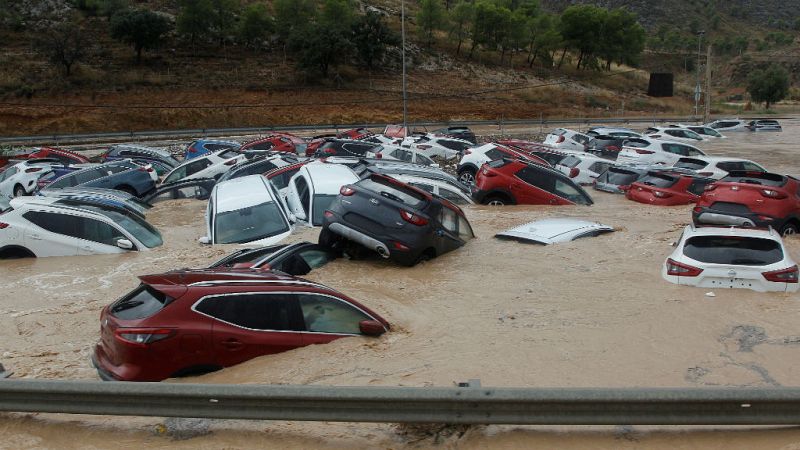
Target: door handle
(232, 344)
(35, 237)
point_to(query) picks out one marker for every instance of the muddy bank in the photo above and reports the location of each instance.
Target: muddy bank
(594, 312)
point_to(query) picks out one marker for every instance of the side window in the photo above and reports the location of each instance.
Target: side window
(66, 181)
(568, 191)
(324, 314)
(494, 154)
(169, 194)
(302, 191)
(449, 220)
(422, 159)
(254, 311)
(404, 155)
(316, 258)
(692, 151)
(197, 166)
(86, 176)
(115, 169)
(424, 187)
(452, 196)
(282, 181)
(54, 223)
(464, 229)
(97, 231)
(731, 165)
(747, 165)
(600, 167)
(266, 145)
(8, 173)
(536, 178)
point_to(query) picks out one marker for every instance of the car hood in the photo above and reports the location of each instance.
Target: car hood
(551, 231)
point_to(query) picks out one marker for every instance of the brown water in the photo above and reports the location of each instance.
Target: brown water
(594, 312)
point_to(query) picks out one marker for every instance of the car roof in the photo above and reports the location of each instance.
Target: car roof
(242, 192)
(215, 277)
(716, 159)
(329, 178)
(553, 230)
(769, 233)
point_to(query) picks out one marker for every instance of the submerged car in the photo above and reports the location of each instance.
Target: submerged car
(583, 168)
(728, 125)
(667, 188)
(725, 258)
(187, 322)
(47, 226)
(514, 182)
(196, 188)
(201, 147)
(458, 132)
(618, 179)
(294, 259)
(133, 151)
(399, 222)
(22, 178)
(553, 231)
(751, 199)
(124, 175)
(312, 189)
(211, 165)
(246, 210)
(568, 140)
(717, 167)
(648, 150)
(764, 125)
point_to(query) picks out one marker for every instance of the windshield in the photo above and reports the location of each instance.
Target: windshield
(135, 225)
(142, 302)
(392, 191)
(736, 250)
(321, 203)
(249, 224)
(658, 180)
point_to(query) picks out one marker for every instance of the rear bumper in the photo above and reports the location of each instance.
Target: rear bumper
(360, 238)
(104, 374)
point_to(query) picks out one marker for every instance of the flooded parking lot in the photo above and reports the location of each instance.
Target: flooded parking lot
(589, 313)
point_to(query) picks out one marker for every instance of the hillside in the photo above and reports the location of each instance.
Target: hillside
(226, 84)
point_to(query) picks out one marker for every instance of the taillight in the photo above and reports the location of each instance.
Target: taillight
(710, 187)
(612, 148)
(33, 169)
(230, 162)
(574, 172)
(624, 187)
(379, 155)
(789, 275)
(143, 336)
(560, 139)
(328, 213)
(642, 151)
(347, 191)
(413, 218)
(329, 151)
(467, 152)
(487, 172)
(662, 194)
(192, 149)
(3, 225)
(772, 193)
(400, 246)
(149, 169)
(697, 209)
(681, 270)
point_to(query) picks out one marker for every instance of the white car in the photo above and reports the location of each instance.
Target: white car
(676, 134)
(211, 165)
(246, 210)
(649, 151)
(728, 125)
(613, 132)
(583, 168)
(410, 155)
(312, 189)
(455, 192)
(48, 226)
(554, 231)
(439, 147)
(565, 139)
(20, 179)
(717, 167)
(381, 139)
(473, 158)
(702, 130)
(724, 258)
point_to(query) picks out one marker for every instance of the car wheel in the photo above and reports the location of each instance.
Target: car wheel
(467, 176)
(790, 229)
(19, 191)
(495, 201)
(328, 238)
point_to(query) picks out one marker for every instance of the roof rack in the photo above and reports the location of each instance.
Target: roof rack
(255, 279)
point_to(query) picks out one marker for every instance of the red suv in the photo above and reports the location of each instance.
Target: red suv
(187, 322)
(754, 199)
(666, 188)
(276, 142)
(65, 156)
(509, 182)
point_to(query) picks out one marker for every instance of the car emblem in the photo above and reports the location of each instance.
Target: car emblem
(734, 188)
(731, 273)
(373, 201)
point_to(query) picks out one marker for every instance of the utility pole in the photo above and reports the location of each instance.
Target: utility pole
(405, 96)
(707, 112)
(697, 88)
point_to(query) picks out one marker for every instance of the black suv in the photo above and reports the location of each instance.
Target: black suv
(398, 221)
(345, 147)
(457, 132)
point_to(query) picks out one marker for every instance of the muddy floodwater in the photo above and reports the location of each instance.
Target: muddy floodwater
(590, 313)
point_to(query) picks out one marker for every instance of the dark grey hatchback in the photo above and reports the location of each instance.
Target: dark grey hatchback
(399, 222)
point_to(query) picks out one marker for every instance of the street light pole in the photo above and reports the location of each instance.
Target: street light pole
(697, 88)
(405, 97)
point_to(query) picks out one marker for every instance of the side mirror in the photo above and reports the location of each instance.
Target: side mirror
(204, 240)
(371, 328)
(124, 244)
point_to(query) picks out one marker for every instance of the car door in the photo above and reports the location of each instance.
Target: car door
(298, 198)
(248, 325)
(52, 235)
(96, 236)
(447, 237)
(327, 318)
(7, 182)
(533, 187)
(303, 261)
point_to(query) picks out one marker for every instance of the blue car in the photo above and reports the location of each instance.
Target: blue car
(201, 147)
(132, 151)
(126, 176)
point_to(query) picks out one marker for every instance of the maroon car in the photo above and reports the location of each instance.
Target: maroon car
(276, 142)
(187, 322)
(664, 188)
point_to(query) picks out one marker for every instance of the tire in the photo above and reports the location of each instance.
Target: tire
(19, 191)
(16, 253)
(789, 229)
(328, 238)
(496, 201)
(467, 176)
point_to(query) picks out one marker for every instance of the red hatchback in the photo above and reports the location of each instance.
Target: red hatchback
(64, 156)
(276, 142)
(513, 182)
(183, 322)
(752, 199)
(666, 188)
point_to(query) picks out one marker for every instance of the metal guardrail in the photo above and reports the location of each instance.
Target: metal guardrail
(471, 404)
(212, 132)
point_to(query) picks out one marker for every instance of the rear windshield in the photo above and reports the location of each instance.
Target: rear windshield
(762, 178)
(619, 177)
(570, 161)
(688, 163)
(658, 180)
(498, 163)
(142, 302)
(228, 154)
(392, 191)
(734, 250)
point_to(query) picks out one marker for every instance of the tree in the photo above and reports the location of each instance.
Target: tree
(323, 50)
(143, 29)
(256, 24)
(768, 86)
(582, 27)
(292, 14)
(429, 18)
(622, 38)
(195, 19)
(371, 37)
(223, 19)
(460, 20)
(483, 24)
(64, 44)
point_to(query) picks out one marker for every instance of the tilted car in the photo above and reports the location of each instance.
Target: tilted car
(473, 158)
(667, 188)
(565, 139)
(615, 132)
(554, 231)
(246, 210)
(124, 175)
(276, 142)
(312, 189)
(513, 182)
(728, 125)
(63, 156)
(752, 199)
(399, 222)
(409, 155)
(606, 146)
(187, 322)
(196, 188)
(212, 165)
(764, 125)
(677, 134)
(22, 178)
(294, 259)
(717, 167)
(453, 191)
(458, 132)
(618, 179)
(345, 147)
(259, 165)
(647, 150)
(725, 258)
(583, 168)
(280, 177)
(134, 151)
(440, 147)
(201, 147)
(48, 226)
(112, 196)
